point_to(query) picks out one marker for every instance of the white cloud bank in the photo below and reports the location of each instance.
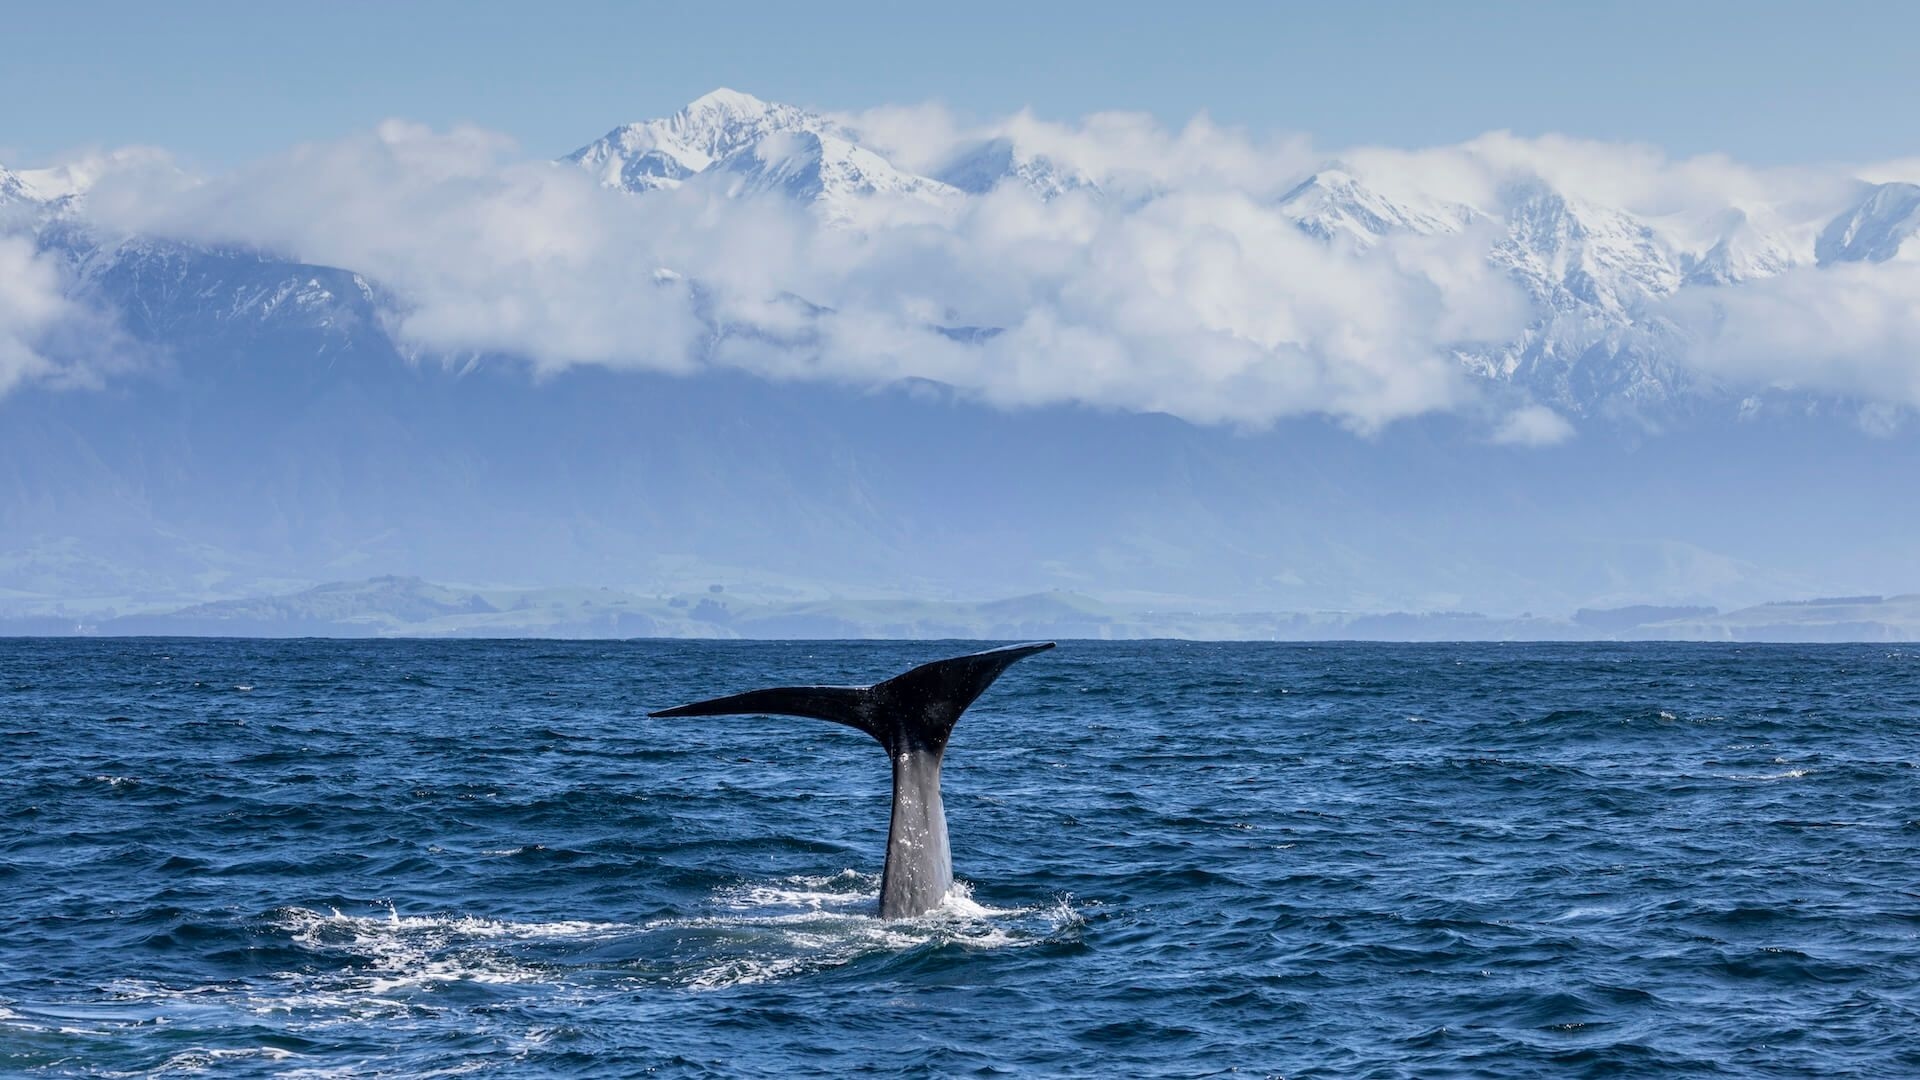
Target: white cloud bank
(1205, 303)
(1851, 329)
(1533, 425)
(1178, 282)
(33, 309)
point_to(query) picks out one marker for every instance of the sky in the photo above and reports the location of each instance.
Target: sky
(223, 83)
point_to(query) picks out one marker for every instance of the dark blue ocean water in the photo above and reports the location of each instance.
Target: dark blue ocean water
(411, 859)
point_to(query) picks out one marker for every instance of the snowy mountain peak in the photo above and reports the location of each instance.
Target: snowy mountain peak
(750, 147)
(655, 154)
(26, 201)
(726, 99)
(1744, 252)
(13, 189)
(725, 120)
(724, 108)
(830, 172)
(60, 181)
(1335, 206)
(1875, 229)
(1568, 253)
(75, 177)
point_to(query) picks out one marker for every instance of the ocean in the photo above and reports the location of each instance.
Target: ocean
(402, 858)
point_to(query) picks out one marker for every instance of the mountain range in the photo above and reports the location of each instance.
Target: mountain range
(1598, 278)
(272, 429)
(410, 607)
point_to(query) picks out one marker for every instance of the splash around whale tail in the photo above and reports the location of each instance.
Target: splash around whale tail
(914, 710)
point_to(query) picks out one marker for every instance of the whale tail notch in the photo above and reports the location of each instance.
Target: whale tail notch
(916, 709)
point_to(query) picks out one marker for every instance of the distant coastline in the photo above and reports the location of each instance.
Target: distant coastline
(411, 607)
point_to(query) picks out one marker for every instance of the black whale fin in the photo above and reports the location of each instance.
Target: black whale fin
(849, 705)
(914, 710)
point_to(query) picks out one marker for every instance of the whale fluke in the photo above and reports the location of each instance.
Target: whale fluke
(912, 715)
(849, 705)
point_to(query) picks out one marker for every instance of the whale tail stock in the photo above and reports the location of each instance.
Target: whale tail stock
(915, 710)
(911, 715)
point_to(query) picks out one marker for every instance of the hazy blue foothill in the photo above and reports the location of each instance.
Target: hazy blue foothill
(413, 608)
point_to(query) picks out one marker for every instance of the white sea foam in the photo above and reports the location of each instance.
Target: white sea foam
(774, 930)
(200, 1060)
(386, 967)
(402, 952)
(308, 925)
(845, 891)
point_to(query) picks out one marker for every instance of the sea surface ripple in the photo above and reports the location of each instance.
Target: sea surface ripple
(314, 858)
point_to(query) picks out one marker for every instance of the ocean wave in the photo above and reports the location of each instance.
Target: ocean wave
(371, 875)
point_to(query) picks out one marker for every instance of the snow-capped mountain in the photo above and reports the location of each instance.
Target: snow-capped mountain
(1594, 278)
(746, 146)
(1572, 256)
(751, 147)
(1743, 252)
(832, 174)
(12, 188)
(657, 154)
(1875, 229)
(169, 290)
(1332, 205)
(24, 205)
(1595, 275)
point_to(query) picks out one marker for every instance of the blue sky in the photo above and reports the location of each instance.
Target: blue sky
(222, 83)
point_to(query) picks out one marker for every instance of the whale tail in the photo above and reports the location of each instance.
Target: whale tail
(914, 710)
(911, 715)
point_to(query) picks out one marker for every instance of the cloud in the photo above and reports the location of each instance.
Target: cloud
(1178, 285)
(484, 252)
(919, 138)
(1851, 330)
(33, 309)
(1130, 155)
(1203, 301)
(1533, 425)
